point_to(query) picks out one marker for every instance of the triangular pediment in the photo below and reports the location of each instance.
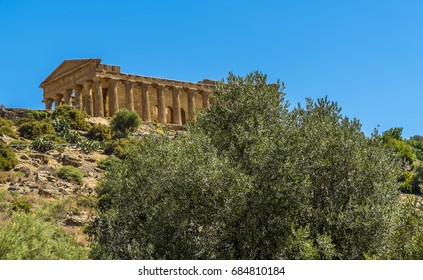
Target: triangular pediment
(68, 66)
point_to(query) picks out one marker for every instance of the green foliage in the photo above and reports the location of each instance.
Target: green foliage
(7, 157)
(61, 126)
(393, 133)
(27, 237)
(417, 183)
(108, 162)
(125, 122)
(38, 115)
(402, 149)
(32, 129)
(6, 128)
(43, 144)
(405, 239)
(406, 182)
(251, 180)
(416, 142)
(100, 132)
(70, 173)
(170, 199)
(88, 146)
(21, 206)
(73, 116)
(119, 147)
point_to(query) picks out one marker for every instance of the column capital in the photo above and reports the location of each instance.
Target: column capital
(114, 81)
(144, 86)
(175, 88)
(87, 83)
(159, 86)
(77, 88)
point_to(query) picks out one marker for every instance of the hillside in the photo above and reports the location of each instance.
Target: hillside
(35, 184)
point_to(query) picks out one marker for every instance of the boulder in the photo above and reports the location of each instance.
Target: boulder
(70, 160)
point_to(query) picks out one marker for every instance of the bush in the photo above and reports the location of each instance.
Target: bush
(119, 147)
(43, 144)
(38, 115)
(88, 146)
(32, 129)
(251, 180)
(180, 205)
(21, 206)
(100, 132)
(416, 142)
(108, 162)
(416, 186)
(6, 128)
(7, 157)
(28, 237)
(402, 149)
(63, 129)
(125, 122)
(70, 173)
(406, 181)
(74, 117)
(405, 239)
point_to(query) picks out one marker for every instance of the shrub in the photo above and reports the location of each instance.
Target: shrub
(43, 144)
(119, 147)
(7, 157)
(38, 115)
(405, 239)
(100, 132)
(6, 128)
(61, 126)
(28, 237)
(402, 149)
(416, 187)
(125, 122)
(108, 162)
(21, 206)
(32, 129)
(74, 117)
(88, 146)
(180, 205)
(70, 173)
(63, 129)
(406, 181)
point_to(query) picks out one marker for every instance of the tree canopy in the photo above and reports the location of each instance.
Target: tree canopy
(252, 179)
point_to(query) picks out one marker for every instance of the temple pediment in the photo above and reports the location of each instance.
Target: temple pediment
(69, 66)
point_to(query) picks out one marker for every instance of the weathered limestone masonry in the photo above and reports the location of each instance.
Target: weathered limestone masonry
(101, 90)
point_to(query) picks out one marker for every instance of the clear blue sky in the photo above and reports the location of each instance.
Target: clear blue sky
(366, 55)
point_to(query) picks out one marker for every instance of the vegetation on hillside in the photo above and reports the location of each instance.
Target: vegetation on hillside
(254, 180)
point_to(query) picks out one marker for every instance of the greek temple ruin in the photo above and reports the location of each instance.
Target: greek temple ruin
(101, 90)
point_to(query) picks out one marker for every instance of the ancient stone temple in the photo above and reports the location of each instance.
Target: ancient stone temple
(101, 90)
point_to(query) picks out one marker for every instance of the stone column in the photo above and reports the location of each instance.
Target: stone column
(145, 102)
(99, 105)
(58, 100)
(191, 104)
(89, 108)
(106, 101)
(49, 103)
(129, 96)
(67, 96)
(176, 106)
(161, 104)
(78, 97)
(205, 96)
(113, 98)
